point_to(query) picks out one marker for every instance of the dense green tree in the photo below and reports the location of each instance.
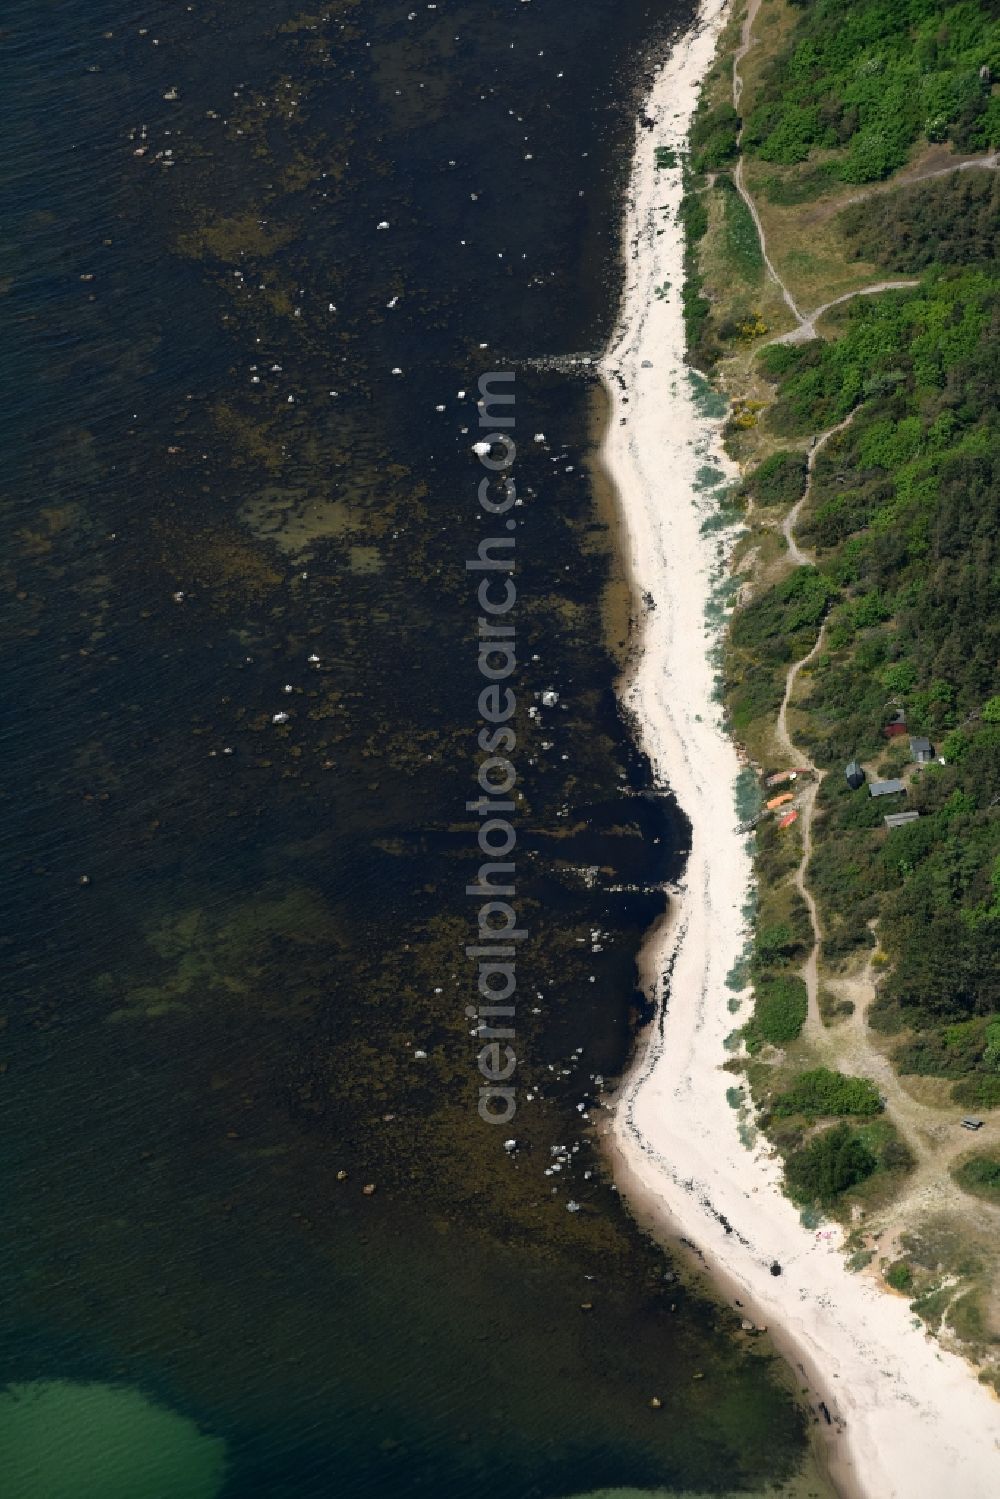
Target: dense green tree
(870, 77)
(952, 220)
(904, 518)
(830, 1164)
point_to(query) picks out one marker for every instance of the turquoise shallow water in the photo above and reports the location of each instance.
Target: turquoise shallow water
(88, 1441)
(227, 937)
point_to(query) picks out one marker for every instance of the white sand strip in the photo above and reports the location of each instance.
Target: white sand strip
(917, 1424)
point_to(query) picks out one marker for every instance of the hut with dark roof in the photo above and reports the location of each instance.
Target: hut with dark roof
(855, 775)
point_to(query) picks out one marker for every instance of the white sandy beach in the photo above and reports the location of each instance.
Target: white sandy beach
(917, 1425)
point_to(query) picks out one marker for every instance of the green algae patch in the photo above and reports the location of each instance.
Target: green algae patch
(196, 959)
(231, 237)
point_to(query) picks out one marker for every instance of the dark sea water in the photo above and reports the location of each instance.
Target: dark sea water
(226, 937)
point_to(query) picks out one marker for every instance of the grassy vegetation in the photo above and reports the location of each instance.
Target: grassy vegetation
(787, 190)
(828, 1165)
(779, 622)
(693, 215)
(741, 243)
(823, 1093)
(903, 522)
(900, 1276)
(714, 137)
(779, 480)
(953, 220)
(868, 78)
(780, 1010)
(967, 1319)
(980, 1175)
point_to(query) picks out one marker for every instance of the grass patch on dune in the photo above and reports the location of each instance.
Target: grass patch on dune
(740, 241)
(980, 1176)
(823, 1092)
(779, 1012)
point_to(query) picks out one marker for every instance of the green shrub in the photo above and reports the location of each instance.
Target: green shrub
(757, 696)
(777, 360)
(693, 218)
(740, 240)
(877, 152)
(980, 1176)
(786, 135)
(948, 1051)
(770, 622)
(867, 79)
(779, 480)
(774, 945)
(780, 1009)
(714, 136)
(953, 220)
(980, 1091)
(900, 1276)
(823, 1092)
(832, 1009)
(830, 1164)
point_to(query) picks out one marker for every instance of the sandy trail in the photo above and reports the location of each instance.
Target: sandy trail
(806, 802)
(792, 518)
(932, 1133)
(988, 162)
(746, 42)
(918, 1426)
(805, 322)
